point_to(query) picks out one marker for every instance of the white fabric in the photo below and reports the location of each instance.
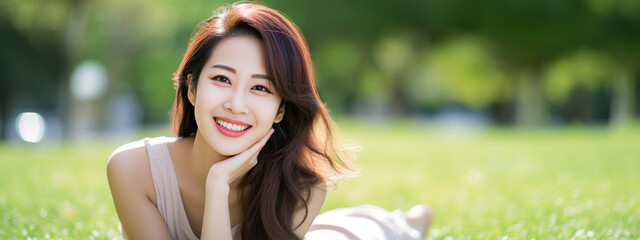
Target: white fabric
(361, 222)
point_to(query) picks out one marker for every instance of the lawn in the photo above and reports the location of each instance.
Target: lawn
(496, 183)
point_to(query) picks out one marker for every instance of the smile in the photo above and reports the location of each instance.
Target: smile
(231, 128)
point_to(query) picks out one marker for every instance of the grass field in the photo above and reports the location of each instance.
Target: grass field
(561, 183)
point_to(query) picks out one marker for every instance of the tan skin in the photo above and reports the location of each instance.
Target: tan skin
(208, 166)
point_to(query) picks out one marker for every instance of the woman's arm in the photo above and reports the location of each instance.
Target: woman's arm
(139, 216)
(318, 194)
(216, 221)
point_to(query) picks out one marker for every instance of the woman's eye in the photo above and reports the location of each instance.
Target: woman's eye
(221, 79)
(261, 88)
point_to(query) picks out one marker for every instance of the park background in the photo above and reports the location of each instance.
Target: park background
(512, 119)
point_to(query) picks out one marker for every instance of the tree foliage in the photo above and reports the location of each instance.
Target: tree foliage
(407, 54)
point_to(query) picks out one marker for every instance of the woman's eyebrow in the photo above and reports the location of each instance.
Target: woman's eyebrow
(264, 76)
(225, 67)
(230, 69)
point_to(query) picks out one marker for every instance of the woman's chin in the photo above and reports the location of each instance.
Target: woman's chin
(228, 151)
(224, 147)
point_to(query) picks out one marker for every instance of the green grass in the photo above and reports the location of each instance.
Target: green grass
(559, 183)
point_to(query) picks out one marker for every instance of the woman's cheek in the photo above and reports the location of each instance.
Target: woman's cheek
(269, 111)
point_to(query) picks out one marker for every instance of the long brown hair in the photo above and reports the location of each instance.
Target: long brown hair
(303, 151)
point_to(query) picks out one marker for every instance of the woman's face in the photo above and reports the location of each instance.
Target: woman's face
(235, 102)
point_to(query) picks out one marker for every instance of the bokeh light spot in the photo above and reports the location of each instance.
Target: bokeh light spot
(30, 126)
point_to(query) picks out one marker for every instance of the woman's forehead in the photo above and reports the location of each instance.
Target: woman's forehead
(239, 55)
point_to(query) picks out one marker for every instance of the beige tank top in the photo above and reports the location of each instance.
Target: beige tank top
(169, 200)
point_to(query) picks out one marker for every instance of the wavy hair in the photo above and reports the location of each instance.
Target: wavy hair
(304, 149)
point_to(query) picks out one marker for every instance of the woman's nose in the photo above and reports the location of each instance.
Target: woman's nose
(236, 103)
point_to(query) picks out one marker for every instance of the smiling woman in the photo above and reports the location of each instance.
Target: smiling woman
(232, 96)
(255, 146)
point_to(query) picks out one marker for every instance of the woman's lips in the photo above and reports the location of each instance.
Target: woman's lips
(230, 127)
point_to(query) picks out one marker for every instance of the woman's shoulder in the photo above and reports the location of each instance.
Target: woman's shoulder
(132, 158)
(127, 155)
(128, 167)
(127, 162)
(134, 153)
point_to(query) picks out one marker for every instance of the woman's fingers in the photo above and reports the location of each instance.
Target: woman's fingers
(252, 152)
(238, 165)
(255, 148)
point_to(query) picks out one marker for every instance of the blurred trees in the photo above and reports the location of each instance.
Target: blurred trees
(465, 67)
(519, 61)
(517, 42)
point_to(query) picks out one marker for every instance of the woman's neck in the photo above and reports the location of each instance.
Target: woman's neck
(202, 158)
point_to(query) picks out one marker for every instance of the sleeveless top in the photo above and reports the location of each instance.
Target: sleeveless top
(168, 198)
(352, 223)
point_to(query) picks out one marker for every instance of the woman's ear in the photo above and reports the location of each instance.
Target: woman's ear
(280, 114)
(191, 91)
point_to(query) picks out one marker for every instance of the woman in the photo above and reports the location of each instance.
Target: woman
(255, 145)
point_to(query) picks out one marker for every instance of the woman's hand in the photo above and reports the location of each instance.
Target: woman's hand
(228, 170)
(216, 221)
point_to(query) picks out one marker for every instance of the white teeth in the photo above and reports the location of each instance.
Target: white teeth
(230, 126)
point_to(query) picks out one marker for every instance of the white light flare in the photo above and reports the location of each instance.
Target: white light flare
(88, 81)
(30, 126)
